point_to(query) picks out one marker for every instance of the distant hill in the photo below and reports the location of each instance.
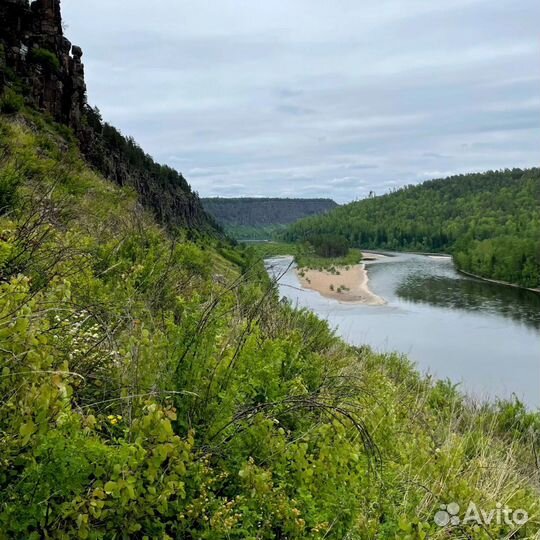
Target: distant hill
(489, 221)
(258, 218)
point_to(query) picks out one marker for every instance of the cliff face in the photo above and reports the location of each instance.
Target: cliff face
(36, 51)
(39, 62)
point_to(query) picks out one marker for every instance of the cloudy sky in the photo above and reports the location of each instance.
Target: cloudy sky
(316, 97)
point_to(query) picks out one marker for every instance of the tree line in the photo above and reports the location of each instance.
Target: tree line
(489, 221)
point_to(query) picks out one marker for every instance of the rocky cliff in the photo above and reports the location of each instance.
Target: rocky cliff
(36, 54)
(38, 62)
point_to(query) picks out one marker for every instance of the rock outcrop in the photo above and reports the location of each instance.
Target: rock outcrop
(36, 52)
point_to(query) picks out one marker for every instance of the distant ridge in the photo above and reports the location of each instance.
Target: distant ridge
(259, 217)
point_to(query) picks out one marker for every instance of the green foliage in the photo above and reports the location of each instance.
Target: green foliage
(329, 245)
(490, 222)
(161, 189)
(306, 258)
(154, 386)
(506, 258)
(44, 58)
(10, 179)
(11, 102)
(248, 232)
(304, 254)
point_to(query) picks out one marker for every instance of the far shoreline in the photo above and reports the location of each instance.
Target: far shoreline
(496, 281)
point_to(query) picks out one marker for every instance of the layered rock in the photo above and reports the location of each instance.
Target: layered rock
(36, 53)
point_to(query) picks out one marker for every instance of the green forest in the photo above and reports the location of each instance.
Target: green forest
(489, 222)
(153, 386)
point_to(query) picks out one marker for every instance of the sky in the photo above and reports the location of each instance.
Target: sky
(316, 98)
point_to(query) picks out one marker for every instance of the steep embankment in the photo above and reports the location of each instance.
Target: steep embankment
(156, 387)
(259, 218)
(490, 222)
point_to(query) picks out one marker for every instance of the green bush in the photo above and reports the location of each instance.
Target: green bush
(44, 58)
(11, 102)
(9, 182)
(329, 245)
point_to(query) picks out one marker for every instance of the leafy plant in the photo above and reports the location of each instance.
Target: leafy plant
(44, 58)
(154, 386)
(11, 102)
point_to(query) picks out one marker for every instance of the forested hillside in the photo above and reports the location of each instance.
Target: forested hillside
(258, 218)
(490, 222)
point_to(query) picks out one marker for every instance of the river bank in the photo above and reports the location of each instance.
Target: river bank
(496, 281)
(452, 326)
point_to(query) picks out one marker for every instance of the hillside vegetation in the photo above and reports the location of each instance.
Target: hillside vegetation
(155, 387)
(304, 255)
(490, 222)
(248, 218)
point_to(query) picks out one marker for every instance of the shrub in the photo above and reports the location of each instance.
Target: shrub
(141, 396)
(9, 181)
(11, 102)
(44, 58)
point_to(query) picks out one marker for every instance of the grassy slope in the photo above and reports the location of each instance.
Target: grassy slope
(153, 387)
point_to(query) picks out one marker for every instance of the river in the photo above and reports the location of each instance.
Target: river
(484, 336)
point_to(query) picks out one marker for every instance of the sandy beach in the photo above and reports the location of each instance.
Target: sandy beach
(346, 284)
(440, 257)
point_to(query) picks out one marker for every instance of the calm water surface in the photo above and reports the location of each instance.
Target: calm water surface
(482, 335)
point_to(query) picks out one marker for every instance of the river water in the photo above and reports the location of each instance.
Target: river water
(482, 335)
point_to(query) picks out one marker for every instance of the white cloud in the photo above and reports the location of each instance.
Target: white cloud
(313, 97)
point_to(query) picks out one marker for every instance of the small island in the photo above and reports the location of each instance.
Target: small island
(343, 283)
(326, 263)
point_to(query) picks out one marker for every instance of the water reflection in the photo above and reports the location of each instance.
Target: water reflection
(472, 295)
